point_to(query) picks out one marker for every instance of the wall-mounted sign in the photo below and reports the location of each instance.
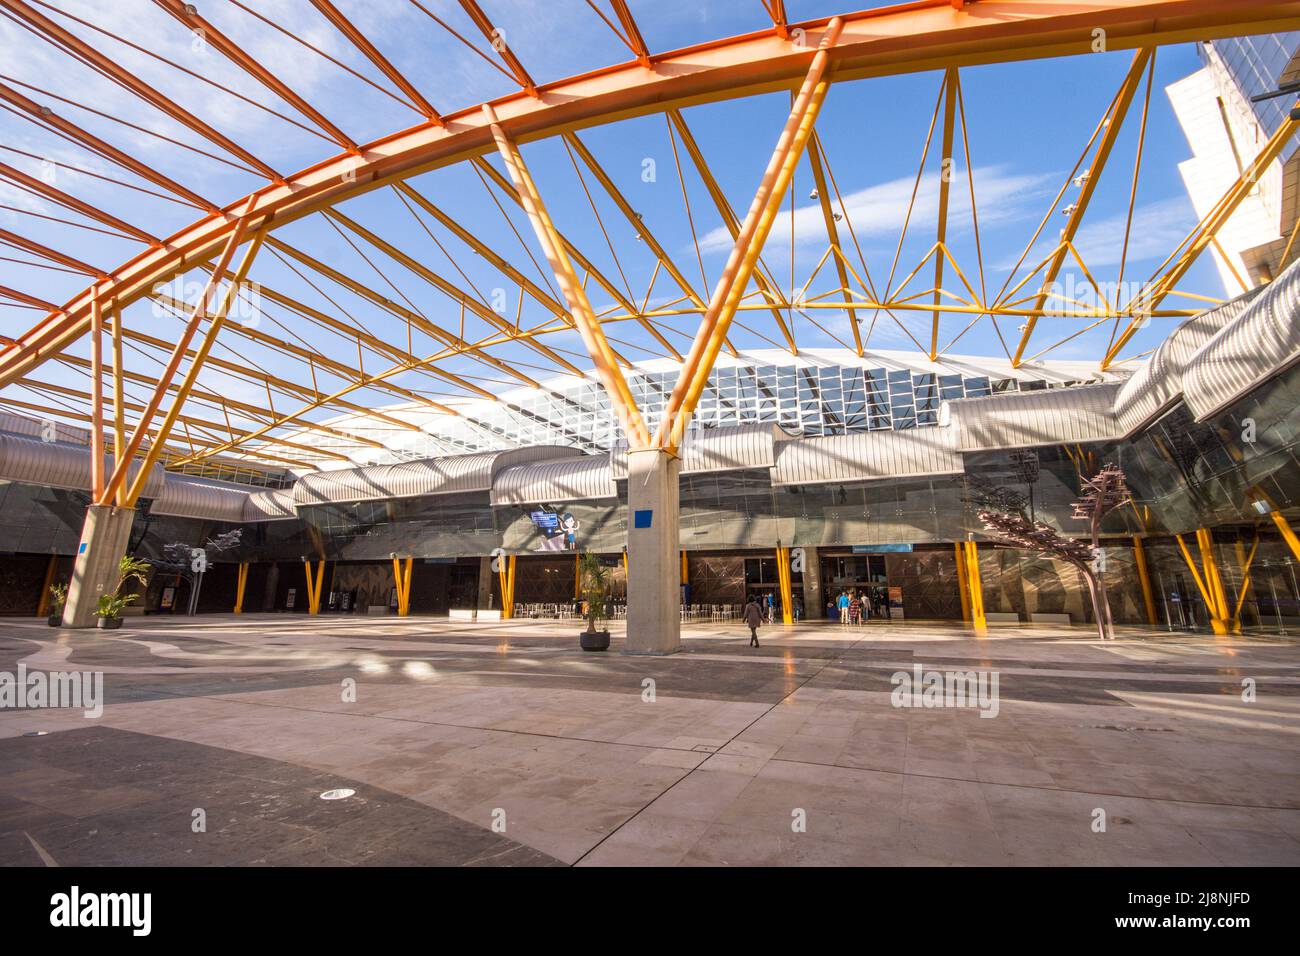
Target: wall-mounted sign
(545, 520)
(882, 549)
(642, 519)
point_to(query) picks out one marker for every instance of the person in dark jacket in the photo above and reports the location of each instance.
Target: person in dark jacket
(753, 617)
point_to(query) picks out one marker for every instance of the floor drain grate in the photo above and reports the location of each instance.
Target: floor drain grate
(341, 794)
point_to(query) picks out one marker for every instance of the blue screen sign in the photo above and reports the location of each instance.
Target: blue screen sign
(546, 520)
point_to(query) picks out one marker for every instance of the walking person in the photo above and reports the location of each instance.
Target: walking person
(843, 603)
(855, 609)
(767, 600)
(753, 618)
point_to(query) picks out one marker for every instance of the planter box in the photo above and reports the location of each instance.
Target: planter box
(1002, 619)
(489, 615)
(461, 614)
(377, 610)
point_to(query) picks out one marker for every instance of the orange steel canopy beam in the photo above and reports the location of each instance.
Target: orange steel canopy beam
(905, 38)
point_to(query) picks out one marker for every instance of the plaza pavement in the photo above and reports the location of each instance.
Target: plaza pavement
(504, 744)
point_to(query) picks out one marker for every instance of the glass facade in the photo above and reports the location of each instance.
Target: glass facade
(1255, 64)
(802, 399)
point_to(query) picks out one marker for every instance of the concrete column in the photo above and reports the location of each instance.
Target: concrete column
(104, 538)
(814, 604)
(654, 565)
(484, 584)
(272, 585)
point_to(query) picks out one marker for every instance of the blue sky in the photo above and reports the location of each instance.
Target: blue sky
(1027, 124)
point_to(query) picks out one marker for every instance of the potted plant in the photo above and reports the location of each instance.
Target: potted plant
(109, 610)
(595, 592)
(111, 605)
(58, 598)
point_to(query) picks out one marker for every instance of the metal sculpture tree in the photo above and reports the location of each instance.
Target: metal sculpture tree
(1102, 494)
(189, 563)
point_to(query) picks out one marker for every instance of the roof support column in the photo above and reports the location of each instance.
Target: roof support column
(593, 336)
(749, 244)
(196, 318)
(945, 178)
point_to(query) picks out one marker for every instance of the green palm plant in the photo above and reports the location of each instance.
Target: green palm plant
(111, 605)
(58, 598)
(595, 587)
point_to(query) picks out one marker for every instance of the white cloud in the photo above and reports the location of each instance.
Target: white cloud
(1000, 195)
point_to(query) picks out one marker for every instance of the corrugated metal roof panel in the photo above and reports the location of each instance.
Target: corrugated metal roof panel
(1262, 341)
(36, 462)
(411, 479)
(269, 506)
(1158, 383)
(718, 449)
(861, 456)
(198, 499)
(553, 482)
(1043, 417)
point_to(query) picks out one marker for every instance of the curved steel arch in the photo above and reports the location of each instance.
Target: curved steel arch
(906, 38)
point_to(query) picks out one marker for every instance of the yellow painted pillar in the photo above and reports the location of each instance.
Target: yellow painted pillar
(43, 604)
(402, 581)
(1288, 535)
(1217, 622)
(1144, 576)
(513, 560)
(311, 591)
(1214, 581)
(240, 587)
(963, 588)
(783, 581)
(506, 577)
(976, 587)
(686, 574)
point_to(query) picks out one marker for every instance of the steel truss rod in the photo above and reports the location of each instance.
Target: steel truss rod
(768, 289)
(315, 359)
(443, 285)
(832, 234)
(593, 336)
(220, 401)
(118, 479)
(749, 244)
(188, 420)
(187, 15)
(45, 252)
(450, 339)
(945, 177)
(371, 53)
(499, 43)
(110, 68)
(1115, 119)
(42, 188)
(246, 370)
(906, 38)
(44, 116)
(1145, 303)
(168, 452)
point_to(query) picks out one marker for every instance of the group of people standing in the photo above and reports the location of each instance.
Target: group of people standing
(858, 607)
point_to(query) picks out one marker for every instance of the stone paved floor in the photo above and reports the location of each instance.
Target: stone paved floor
(504, 744)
